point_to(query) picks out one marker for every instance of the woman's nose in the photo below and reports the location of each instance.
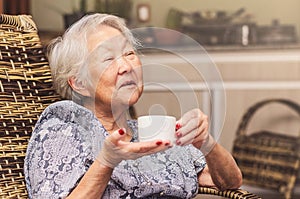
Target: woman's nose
(124, 65)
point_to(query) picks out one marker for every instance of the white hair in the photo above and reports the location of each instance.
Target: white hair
(68, 54)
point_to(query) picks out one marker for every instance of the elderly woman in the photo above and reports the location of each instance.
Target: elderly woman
(85, 147)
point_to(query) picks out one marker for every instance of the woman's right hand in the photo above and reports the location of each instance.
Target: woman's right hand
(115, 149)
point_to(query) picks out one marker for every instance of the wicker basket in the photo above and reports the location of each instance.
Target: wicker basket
(25, 90)
(268, 159)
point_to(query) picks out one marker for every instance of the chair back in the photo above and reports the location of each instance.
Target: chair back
(25, 91)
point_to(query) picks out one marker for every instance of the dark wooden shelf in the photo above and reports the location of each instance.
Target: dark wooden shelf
(47, 36)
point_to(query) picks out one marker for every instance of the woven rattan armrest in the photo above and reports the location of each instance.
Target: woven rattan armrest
(234, 194)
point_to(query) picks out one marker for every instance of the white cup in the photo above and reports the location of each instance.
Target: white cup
(152, 127)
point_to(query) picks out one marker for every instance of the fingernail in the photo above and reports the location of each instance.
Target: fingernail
(178, 135)
(158, 143)
(167, 144)
(121, 131)
(178, 142)
(178, 126)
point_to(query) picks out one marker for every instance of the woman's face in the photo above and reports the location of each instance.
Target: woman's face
(114, 69)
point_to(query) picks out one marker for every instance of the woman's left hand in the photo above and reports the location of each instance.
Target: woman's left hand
(192, 128)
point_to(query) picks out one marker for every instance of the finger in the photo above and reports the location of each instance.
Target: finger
(187, 139)
(146, 147)
(116, 136)
(195, 135)
(187, 117)
(190, 126)
(158, 148)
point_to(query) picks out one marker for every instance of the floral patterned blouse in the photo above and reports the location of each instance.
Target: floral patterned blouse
(68, 137)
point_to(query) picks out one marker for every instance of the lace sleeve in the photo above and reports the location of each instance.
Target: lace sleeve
(57, 157)
(198, 159)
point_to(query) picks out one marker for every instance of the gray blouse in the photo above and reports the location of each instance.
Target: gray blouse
(68, 137)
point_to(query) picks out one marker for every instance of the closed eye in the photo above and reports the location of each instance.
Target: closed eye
(130, 53)
(108, 59)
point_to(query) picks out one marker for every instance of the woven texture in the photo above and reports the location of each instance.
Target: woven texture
(233, 194)
(25, 91)
(268, 159)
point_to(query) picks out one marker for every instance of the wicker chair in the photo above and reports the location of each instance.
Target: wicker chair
(25, 91)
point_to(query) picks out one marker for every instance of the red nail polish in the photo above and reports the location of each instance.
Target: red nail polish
(167, 144)
(178, 126)
(178, 135)
(121, 131)
(158, 143)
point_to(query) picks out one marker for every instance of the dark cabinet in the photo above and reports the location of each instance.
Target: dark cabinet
(15, 7)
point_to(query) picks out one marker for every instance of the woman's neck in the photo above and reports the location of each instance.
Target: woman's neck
(112, 124)
(111, 121)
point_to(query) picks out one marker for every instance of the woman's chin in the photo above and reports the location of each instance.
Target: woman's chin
(129, 96)
(133, 99)
(125, 100)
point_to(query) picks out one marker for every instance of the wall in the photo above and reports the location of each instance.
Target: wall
(249, 77)
(48, 13)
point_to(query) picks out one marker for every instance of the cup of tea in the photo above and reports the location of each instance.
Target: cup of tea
(153, 127)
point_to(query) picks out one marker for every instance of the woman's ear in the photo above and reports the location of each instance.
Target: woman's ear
(78, 87)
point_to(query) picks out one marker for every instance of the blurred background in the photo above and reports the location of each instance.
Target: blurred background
(210, 22)
(253, 44)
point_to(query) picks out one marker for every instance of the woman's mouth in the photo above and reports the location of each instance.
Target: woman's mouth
(128, 83)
